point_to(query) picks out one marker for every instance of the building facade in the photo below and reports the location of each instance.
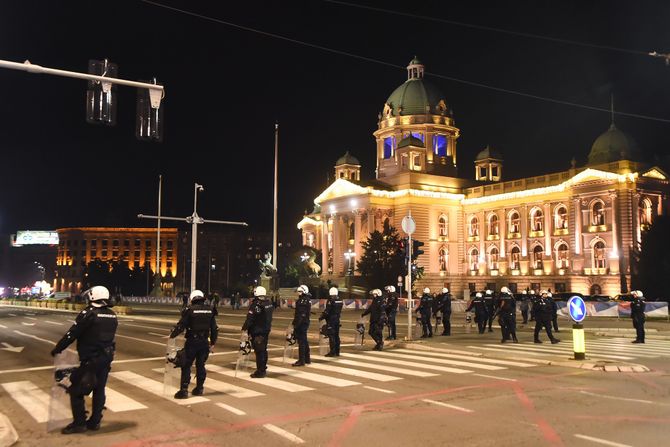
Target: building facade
(136, 246)
(573, 230)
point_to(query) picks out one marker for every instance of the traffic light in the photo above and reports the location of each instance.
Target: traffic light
(101, 96)
(149, 117)
(416, 249)
(402, 247)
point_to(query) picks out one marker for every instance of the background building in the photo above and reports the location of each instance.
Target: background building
(571, 230)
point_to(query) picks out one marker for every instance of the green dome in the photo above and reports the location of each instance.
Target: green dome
(347, 159)
(410, 140)
(611, 146)
(488, 152)
(412, 98)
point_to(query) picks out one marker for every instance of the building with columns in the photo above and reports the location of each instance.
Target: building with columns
(573, 230)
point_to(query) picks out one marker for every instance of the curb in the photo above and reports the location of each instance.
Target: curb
(8, 435)
(594, 365)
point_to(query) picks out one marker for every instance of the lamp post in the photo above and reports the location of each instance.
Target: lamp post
(349, 254)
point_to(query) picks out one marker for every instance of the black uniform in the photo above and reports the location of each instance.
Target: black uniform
(332, 314)
(543, 312)
(637, 307)
(444, 306)
(481, 314)
(391, 312)
(303, 306)
(258, 325)
(425, 308)
(532, 298)
(507, 317)
(554, 313)
(523, 305)
(377, 311)
(94, 329)
(490, 309)
(201, 332)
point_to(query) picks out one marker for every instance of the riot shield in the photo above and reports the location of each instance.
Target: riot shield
(438, 321)
(324, 344)
(289, 346)
(242, 364)
(418, 327)
(360, 333)
(174, 359)
(60, 413)
(468, 322)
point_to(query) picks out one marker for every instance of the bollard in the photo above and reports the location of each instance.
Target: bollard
(578, 344)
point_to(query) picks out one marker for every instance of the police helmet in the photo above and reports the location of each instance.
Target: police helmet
(260, 291)
(97, 296)
(390, 289)
(523, 292)
(303, 289)
(445, 290)
(639, 294)
(489, 292)
(478, 294)
(504, 290)
(426, 290)
(376, 292)
(333, 291)
(532, 292)
(549, 295)
(196, 295)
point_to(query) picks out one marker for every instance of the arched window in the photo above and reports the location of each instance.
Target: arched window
(515, 257)
(443, 226)
(536, 220)
(538, 251)
(493, 225)
(443, 258)
(514, 222)
(310, 239)
(562, 255)
(493, 258)
(473, 259)
(599, 260)
(598, 213)
(561, 218)
(645, 212)
(473, 228)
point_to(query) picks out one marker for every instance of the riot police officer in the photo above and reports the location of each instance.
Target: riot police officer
(444, 306)
(490, 307)
(377, 311)
(94, 329)
(523, 306)
(543, 311)
(507, 312)
(425, 308)
(258, 324)
(201, 333)
(637, 307)
(554, 311)
(332, 314)
(391, 310)
(533, 298)
(303, 307)
(481, 314)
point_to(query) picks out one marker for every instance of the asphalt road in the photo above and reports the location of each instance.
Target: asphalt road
(467, 389)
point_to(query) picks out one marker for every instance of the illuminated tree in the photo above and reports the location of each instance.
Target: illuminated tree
(382, 261)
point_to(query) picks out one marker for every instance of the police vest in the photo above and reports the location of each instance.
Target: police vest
(100, 334)
(200, 318)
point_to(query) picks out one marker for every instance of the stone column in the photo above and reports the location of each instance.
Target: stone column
(615, 233)
(481, 222)
(337, 251)
(637, 233)
(547, 229)
(358, 238)
(578, 226)
(524, 231)
(502, 228)
(371, 220)
(324, 244)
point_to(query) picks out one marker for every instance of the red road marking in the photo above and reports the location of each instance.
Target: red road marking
(546, 429)
(346, 426)
(623, 418)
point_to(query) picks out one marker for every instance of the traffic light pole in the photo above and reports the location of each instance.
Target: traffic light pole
(409, 287)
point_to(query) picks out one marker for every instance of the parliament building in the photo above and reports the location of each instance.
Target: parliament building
(572, 231)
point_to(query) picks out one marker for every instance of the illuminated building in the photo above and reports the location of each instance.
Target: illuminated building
(572, 230)
(135, 246)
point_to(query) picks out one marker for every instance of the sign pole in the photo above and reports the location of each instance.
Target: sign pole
(577, 311)
(408, 226)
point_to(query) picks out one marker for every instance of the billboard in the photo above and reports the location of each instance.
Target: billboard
(35, 238)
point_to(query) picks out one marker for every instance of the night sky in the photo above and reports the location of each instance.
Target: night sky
(226, 87)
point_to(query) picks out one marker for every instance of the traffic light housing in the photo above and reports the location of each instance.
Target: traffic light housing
(101, 96)
(416, 249)
(402, 247)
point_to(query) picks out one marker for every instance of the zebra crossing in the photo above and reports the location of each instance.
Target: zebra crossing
(351, 370)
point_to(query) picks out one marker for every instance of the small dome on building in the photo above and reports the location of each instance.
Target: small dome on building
(416, 96)
(613, 145)
(410, 140)
(488, 152)
(347, 159)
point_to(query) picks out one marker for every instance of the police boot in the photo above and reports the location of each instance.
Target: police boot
(299, 363)
(198, 390)
(514, 339)
(181, 394)
(258, 374)
(537, 340)
(72, 428)
(331, 354)
(554, 341)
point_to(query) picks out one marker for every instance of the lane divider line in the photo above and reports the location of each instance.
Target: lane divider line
(453, 407)
(495, 377)
(601, 441)
(378, 389)
(231, 409)
(53, 322)
(283, 433)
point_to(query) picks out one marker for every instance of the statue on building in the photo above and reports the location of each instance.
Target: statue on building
(267, 267)
(313, 269)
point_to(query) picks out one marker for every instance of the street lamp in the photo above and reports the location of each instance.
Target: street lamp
(40, 268)
(349, 254)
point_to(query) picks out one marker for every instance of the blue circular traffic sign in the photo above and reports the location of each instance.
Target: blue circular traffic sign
(577, 309)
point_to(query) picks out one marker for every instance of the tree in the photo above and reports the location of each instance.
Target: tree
(651, 264)
(381, 262)
(121, 278)
(97, 273)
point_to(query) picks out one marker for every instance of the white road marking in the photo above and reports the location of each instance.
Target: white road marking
(617, 398)
(8, 347)
(559, 350)
(118, 402)
(312, 377)
(30, 318)
(601, 441)
(478, 359)
(53, 322)
(412, 364)
(35, 337)
(453, 407)
(231, 409)
(3, 326)
(348, 371)
(223, 387)
(603, 350)
(12, 315)
(407, 372)
(154, 387)
(27, 324)
(158, 335)
(141, 339)
(495, 377)
(266, 381)
(503, 350)
(146, 327)
(379, 389)
(283, 433)
(438, 360)
(31, 398)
